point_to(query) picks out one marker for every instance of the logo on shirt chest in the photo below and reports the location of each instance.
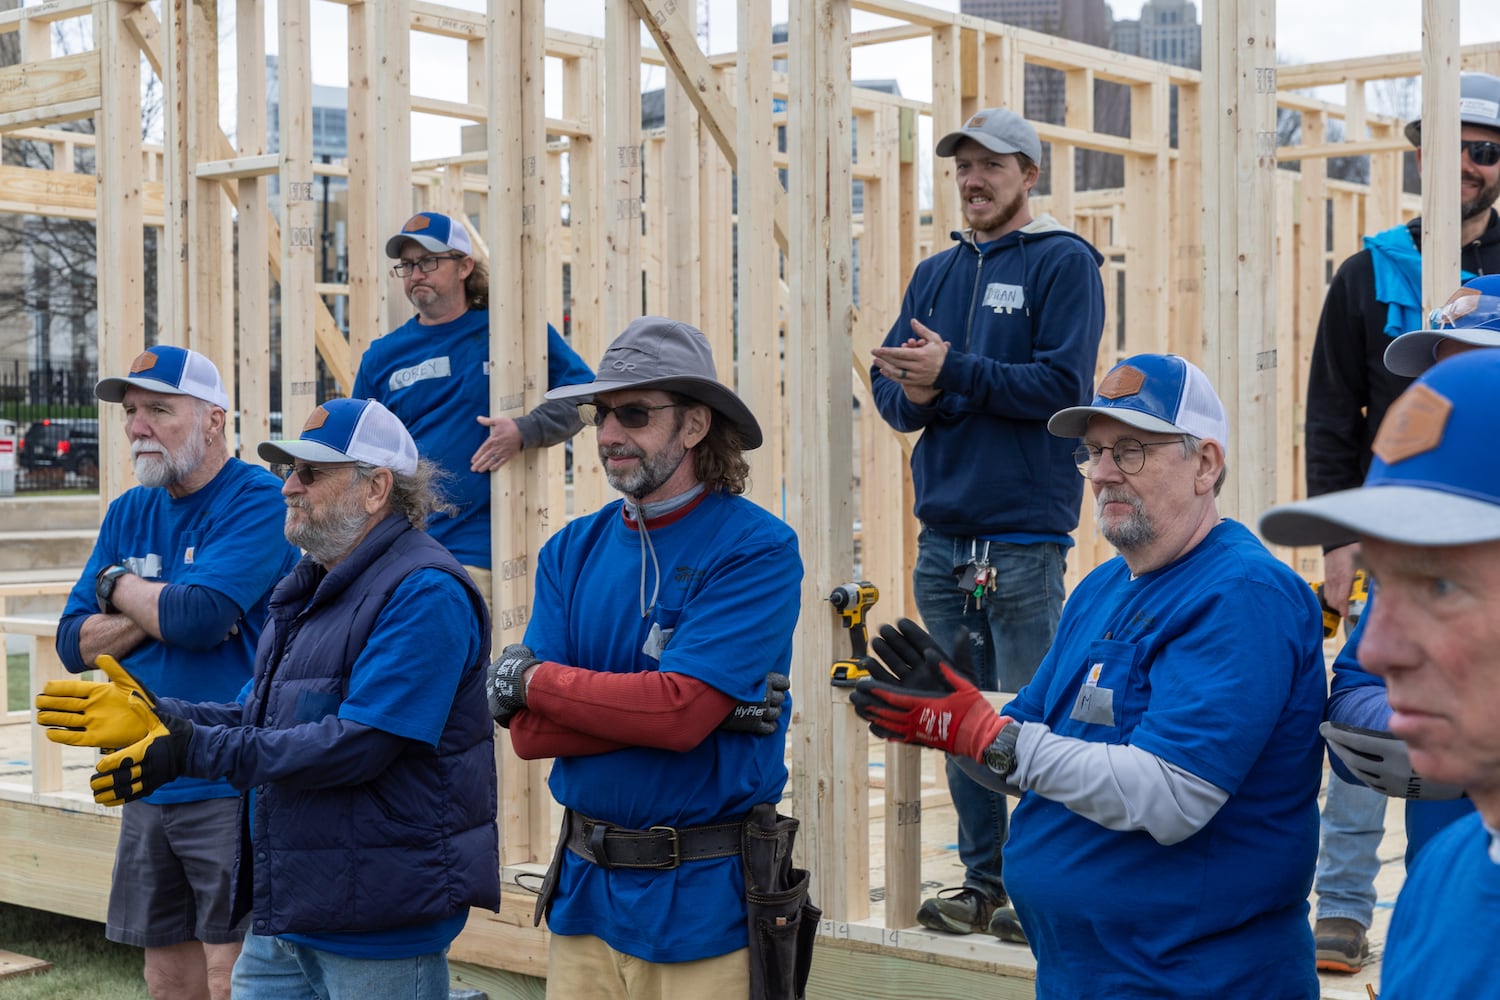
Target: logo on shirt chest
(1004, 298)
(431, 368)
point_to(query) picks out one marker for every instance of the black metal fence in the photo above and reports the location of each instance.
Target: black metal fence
(54, 414)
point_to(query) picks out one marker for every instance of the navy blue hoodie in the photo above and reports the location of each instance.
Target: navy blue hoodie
(1023, 318)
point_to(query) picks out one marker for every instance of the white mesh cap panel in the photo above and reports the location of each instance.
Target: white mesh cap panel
(380, 438)
(1199, 411)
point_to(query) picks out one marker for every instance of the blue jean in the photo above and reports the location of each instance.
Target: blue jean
(1007, 638)
(1353, 823)
(270, 968)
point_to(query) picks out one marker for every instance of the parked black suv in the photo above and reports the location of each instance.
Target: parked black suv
(68, 444)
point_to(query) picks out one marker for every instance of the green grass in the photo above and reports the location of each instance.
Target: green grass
(84, 964)
(17, 684)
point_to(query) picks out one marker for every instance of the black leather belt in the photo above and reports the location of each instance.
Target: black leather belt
(661, 847)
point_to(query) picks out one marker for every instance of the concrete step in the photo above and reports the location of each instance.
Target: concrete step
(27, 513)
(48, 551)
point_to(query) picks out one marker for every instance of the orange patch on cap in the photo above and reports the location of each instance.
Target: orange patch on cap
(1413, 425)
(416, 223)
(144, 362)
(977, 121)
(317, 418)
(1123, 381)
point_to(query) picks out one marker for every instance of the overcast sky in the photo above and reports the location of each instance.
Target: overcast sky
(1306, 31)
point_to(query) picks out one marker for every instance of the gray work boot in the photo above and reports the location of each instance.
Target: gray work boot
(1340, 944)
(957, 911)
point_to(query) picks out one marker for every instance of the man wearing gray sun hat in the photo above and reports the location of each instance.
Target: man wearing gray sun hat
(1428, 522)
(658, 625)
(996, 333)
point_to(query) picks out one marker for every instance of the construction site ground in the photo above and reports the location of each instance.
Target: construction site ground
(940, 864)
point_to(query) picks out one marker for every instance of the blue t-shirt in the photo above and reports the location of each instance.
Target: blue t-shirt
(1214, 664)
(730, 592)
(437, 380)
(227, 537)
(1447, 918)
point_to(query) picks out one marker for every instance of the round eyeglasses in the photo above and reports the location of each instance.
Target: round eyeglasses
(1128, 453)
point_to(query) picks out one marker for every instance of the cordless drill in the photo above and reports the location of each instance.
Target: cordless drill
(1359, 595)
(852, 601)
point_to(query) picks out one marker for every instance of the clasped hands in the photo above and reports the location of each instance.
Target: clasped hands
(118, 713)
(918, 693)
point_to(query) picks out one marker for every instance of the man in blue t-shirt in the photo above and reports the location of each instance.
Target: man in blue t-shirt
(1166, 754)
(996, 333)
(176, 590)
(652, 619)
(1427, 520)
(363, 741)
(433, 372)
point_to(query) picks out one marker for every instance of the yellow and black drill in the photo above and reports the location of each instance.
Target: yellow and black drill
(1359, 595)
(853, 601)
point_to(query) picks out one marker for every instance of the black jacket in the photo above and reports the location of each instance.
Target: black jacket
(1348, 386)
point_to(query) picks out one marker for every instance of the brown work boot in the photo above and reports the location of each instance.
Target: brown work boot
(957, 911)
(1341, 945)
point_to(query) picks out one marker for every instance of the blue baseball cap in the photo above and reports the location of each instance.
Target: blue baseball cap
(173, 370)
(348, 430)
(434, 231)
(1154, 392)
(1470, 316)
(1429, 482)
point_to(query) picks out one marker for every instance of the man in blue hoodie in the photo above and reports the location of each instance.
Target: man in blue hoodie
(996, 334)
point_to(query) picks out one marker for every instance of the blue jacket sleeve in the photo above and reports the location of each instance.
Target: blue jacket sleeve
(890, 399)
(1067, 308)
(1357, 697)
(564, 366)
(331, 753)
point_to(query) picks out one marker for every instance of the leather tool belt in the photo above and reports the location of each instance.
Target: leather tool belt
(660, 847)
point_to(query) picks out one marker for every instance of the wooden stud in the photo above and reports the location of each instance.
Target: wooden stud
(253, 203)
(1440, 130)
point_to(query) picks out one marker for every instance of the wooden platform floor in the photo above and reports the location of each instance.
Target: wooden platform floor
(940, 865)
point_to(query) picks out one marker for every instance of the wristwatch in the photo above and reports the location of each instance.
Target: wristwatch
(1000, 756)
(104, 586)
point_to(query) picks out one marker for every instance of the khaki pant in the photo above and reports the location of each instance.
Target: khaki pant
(583, 967)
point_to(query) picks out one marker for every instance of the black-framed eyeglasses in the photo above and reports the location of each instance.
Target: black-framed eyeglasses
(308, 474)
(424, 264)
(1483, 152)
(631, 415)
(1128, 453)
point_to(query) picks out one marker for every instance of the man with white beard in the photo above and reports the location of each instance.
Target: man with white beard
(176, 591)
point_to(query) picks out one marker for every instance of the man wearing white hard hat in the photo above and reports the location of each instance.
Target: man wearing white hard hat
(1428, 522)
(1166, 754)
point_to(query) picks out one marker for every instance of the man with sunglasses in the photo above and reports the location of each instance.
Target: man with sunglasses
(175, 590)
(363, 739)
(652, 618)
(1166, 754)
(433, 373)
(996, 333)
(1374, 297)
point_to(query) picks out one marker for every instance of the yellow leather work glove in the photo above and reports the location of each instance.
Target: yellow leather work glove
(144, 766)
(113, 713)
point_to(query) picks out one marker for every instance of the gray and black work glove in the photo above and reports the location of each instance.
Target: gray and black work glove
(505, 682)
(1381, 760)
(759, 718)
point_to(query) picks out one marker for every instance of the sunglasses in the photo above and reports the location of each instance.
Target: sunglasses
(423, 264)
(631, 415)
(1483, 152)
(308, 474)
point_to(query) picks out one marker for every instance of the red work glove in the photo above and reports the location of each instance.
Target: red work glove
(932, 701)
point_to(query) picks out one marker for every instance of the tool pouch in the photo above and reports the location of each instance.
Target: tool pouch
(783, 922)
(549, 883)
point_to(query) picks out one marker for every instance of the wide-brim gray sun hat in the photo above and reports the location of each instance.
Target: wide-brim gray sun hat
(654, 352)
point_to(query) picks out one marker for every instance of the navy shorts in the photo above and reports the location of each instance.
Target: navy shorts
(174, 869)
